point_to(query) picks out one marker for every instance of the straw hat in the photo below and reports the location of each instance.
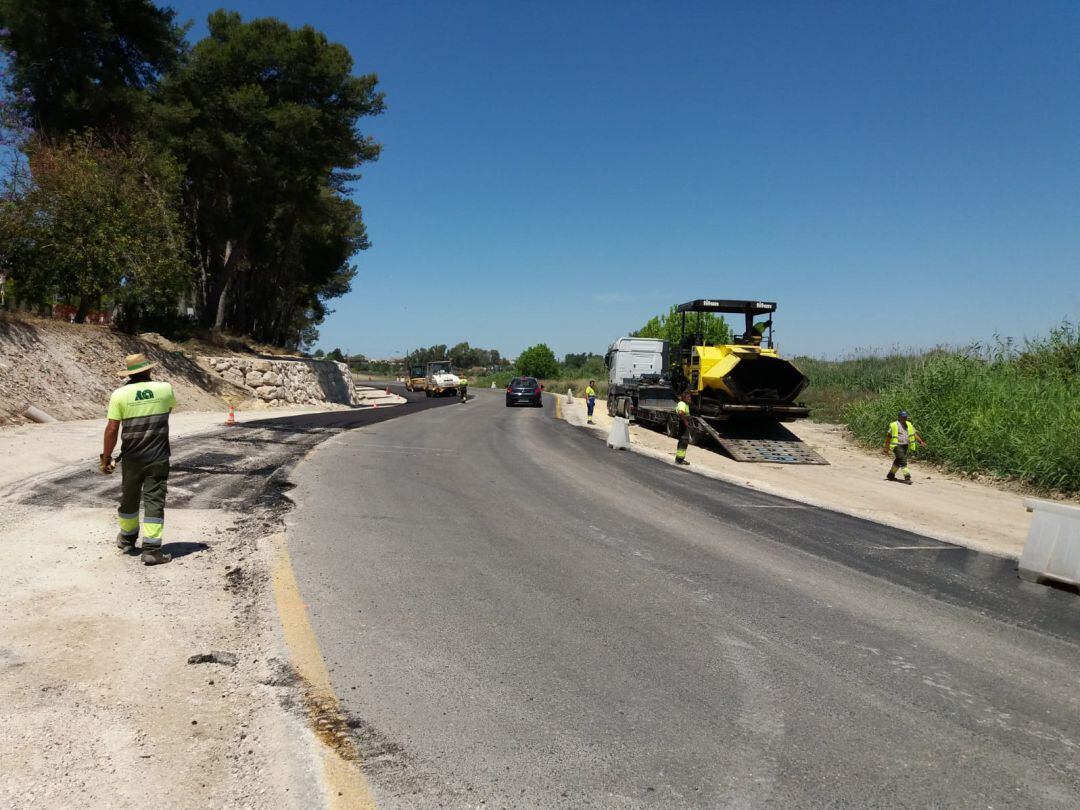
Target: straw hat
(136, 364)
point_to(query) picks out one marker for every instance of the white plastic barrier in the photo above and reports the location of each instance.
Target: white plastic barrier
(619, 437)
(1052, 550)
(569, 396)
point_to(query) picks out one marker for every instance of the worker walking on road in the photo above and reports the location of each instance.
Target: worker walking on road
(590, 400)
(900, 437)
(682, 410)
(141, 407)
(463, 387)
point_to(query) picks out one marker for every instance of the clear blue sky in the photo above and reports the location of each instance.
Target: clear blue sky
(893, 174)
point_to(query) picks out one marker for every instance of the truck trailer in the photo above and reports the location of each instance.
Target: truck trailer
(741, 392)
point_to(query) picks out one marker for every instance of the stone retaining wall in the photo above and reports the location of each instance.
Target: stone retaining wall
(288, 382)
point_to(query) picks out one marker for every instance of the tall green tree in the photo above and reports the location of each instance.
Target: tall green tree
(87, 64)
(537, 361)
(265, 118)
(714, 329)
(99, 227)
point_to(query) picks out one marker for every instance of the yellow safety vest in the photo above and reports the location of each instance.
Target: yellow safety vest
(894, 433)
(142, 409)
(682, 407)
(589, 391)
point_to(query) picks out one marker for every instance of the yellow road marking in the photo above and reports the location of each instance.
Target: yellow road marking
(346, 787)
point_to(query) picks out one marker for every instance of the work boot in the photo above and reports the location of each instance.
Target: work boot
(126, 542)
(682, 461)
(890, 477)
(907, 479)
(154, 556)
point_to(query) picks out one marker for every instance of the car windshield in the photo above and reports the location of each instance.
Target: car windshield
(440, 368)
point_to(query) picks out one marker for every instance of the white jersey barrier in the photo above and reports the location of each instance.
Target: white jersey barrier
(619, 437)
(1052, 550)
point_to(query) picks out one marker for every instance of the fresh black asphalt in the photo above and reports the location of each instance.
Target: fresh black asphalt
(237, 467)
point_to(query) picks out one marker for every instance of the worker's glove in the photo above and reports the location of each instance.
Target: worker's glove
(106, 464)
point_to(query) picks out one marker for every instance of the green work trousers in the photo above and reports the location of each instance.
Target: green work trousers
(145, 482)
(684, 442)
(900, 461)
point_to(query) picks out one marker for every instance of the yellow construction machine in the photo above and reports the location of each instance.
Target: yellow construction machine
(741, 391)
(415, 378)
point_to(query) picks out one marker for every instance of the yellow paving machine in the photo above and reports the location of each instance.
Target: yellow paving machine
(741, 391)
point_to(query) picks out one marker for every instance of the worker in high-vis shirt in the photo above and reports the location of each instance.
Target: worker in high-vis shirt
(682, 410)
(899, 438)
(590, 401)
(463, 389)
(140, 411)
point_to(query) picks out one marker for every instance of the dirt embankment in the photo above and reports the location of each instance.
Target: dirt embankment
(69, 370)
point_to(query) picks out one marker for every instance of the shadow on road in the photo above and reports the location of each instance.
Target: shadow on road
(182, 549)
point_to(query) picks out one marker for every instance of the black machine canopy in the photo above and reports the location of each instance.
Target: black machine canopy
(746, 308)
(731, 307)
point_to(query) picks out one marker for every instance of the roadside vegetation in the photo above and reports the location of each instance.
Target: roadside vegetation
(1009, 410)
(836, 384)
(157, 184)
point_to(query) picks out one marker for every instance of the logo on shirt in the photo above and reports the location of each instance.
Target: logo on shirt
(145, 394)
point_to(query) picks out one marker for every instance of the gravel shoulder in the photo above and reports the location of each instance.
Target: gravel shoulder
(939, 505)
(101, 706)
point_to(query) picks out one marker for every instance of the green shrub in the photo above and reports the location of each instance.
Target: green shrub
(537, 361)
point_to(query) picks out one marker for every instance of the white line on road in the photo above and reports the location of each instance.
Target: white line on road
(918, 548)
(405, 447)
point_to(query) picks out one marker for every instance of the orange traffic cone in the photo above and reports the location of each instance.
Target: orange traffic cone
(231, 418)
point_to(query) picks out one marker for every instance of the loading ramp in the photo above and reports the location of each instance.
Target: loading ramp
(767, 443)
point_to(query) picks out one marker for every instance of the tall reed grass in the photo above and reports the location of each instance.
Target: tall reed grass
(1008, 410)
(835, 384)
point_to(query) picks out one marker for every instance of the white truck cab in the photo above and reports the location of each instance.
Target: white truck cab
(628, 359)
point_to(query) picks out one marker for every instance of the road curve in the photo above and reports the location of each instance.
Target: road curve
(515, 616)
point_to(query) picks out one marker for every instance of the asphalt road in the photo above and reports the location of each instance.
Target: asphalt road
(515, 616)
